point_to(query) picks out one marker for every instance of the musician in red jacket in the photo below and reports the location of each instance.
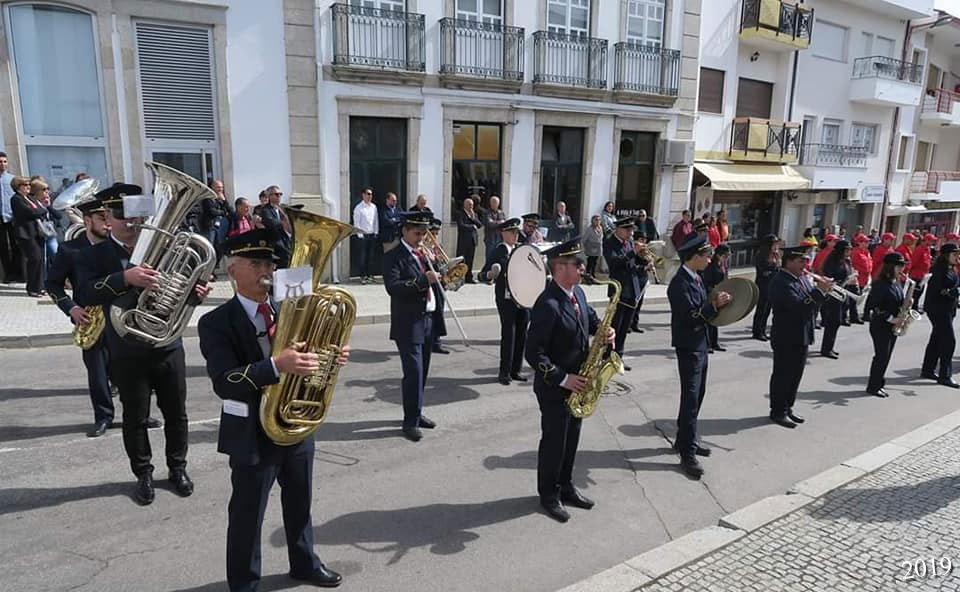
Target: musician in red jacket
(886, 246)
(920, 265)
(830, 240)
(863, 264)
(906, 248)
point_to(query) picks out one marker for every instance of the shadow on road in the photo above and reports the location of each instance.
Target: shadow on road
(590, 459)
(838, 398)
(444, 528)
(756, 354)
(24, 499)
(439, 391)
(9, 394)
(897, 504)
(15, 433)
(359, 430)
(710, 426)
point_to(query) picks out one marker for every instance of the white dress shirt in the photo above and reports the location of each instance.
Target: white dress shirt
(365, 218)
(260, 324)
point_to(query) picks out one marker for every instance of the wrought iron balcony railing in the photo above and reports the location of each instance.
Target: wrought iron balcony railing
(884, 67)
(752, 138)
(645, 69)
(833, 155)
(485, 50)
(572, 60)
(378, 38)
(793, 21)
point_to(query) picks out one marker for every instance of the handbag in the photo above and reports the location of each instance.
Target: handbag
(46, 228)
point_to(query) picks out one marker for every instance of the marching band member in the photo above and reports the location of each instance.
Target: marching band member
(920, 263)
(689, 311)
(837, 268)
(236, 341)
(65, 267)
(136, 367)
(557, 345)
(883, 304)
(794, 303)
(414, 300)
(768, 262)
(940, 307)
(645, 267)
(513, 318)
(862, 263)
(906, 248)
(439, 324)
(715, 273)
(530, 233)
(886, 245)
(621, 254)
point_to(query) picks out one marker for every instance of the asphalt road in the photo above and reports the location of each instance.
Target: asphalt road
(455, 512)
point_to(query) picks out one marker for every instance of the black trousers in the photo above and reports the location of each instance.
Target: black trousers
(832, 315)
(513, 337)
(559, 438)
(135, 377)
(850, 306)
(622, 320)
(713, 336)
(883, 341)
(32, 251)
(368, 248)
(415, 361)
(635, 320)
(96, 359)
(467, 250)
(293, 469)
(692, 365)
(788, 364)
(592, 265)
(917, 295)
(938, 357)
(761, 314)
(9, 253)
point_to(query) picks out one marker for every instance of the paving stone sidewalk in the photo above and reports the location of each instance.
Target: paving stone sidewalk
(893, 529)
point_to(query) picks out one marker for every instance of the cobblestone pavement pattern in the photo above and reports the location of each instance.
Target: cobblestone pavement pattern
(893, 529)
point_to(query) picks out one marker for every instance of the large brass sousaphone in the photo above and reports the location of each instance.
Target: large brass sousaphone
(743, 298)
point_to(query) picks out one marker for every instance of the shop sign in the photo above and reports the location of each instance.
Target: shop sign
(872, 194)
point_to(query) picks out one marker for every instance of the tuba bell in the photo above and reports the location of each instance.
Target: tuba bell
(181, 259)
(294, 408)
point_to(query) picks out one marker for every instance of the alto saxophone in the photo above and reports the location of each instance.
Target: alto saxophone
(907, 315)
(599, 367)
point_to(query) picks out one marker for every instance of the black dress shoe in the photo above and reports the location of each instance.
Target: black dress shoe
(636, 329)
(794, 417)
(555, 510)
(627, 368)
(574, 498)
(505, 381)
(323, 576)
(144, 493)
(699, 450)
(879, 393)
(181, 482)
(153, 422)
(691, 466)
(518, 377)
(710, 351)
(438, 349)
(99, 428)
(761, 338)
(830, 354)
(720, 348)
(412, 434)
(929, 375)
(782, 421)
(426, 422)
(948, 382)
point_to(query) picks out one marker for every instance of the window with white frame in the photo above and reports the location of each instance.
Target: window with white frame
(864, 135)
(63, 124)
(645, 22)
(830, 131)
(178, 102)
(569, 16)
(830, 42)
(398, 5)
(484, 11)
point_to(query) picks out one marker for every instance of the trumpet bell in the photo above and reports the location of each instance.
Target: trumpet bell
(744, 295)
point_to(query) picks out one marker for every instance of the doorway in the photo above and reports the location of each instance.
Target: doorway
(561, 173)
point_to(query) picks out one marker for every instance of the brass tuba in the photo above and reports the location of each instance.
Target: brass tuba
(598, 368)
(182, 260)
(294, 408)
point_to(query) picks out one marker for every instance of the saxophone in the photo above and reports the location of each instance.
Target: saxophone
(85, 335)
(598, 368)
(292, 409)
(907, 315)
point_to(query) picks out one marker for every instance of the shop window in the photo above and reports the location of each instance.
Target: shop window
(561, 171)
(635, 173)
(476, 162)
(711, 90)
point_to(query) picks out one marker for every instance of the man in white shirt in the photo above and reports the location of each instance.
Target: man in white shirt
(9, 252)
(366, 218)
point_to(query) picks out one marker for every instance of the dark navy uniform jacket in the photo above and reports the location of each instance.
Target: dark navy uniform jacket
(239, 371)
(66, 267)
(713, 275)
(689, 311)
(625, 267)
(558, 341)
(941, 293)
(407, 285)
(794, 304)
(765, 273)
(500, 255)
(885, 299)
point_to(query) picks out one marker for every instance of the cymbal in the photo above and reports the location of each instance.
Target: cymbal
(744, 295)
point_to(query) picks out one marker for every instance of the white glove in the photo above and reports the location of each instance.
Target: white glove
(494, 272)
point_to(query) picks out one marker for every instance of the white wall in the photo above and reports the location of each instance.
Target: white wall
(257, 85)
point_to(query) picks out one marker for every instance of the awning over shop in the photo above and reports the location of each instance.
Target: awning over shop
(907, 209)
(753, 177)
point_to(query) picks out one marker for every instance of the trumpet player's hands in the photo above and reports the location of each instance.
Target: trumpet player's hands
(824, 285)
(344, 356)
(611, 335)
(78, 315)
(494, 272)
(432, 277)
(202, 291)
(574, 382)
(293, 360)
(141, 276)
(721, 299)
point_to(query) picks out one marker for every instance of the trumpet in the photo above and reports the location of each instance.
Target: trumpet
(454, 271)
(642, 249)
(838, 292)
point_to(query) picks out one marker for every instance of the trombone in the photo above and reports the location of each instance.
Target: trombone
(443, 292)
(453, 271)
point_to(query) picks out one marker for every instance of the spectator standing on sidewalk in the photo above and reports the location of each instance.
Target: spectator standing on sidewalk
(390, 222)
(467, 225)
(9, 250)
(563, 225)
(366, 218)
(492, 218)
(242, 219)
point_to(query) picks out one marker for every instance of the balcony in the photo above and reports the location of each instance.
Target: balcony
(940, 108)
(775, 25)
(569, 65)
(646, 75)
(935, 185)
(830, 166)
(480, 56)
(377, 45)
(901, 9)
(879, 80)
(762, 140)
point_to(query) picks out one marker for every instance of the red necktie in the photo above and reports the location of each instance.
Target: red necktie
(264, 310)
(424, 267)
(576, 307)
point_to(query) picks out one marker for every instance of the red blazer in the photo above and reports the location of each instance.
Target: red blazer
(713, 235)
(819, 259)
(907, 253)
(920, 262)
(878, 254)
(862, 263)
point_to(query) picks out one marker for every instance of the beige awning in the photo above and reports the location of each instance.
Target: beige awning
(753, 177)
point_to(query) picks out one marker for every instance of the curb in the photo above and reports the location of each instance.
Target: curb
(633, 574)
(66, 338)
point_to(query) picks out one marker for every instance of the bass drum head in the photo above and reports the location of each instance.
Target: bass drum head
(744, 294)
(526, 275)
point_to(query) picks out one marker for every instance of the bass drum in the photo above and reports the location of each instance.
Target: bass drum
(526, 275)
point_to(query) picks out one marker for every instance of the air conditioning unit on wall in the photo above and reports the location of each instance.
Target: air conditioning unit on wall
(675, 152)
